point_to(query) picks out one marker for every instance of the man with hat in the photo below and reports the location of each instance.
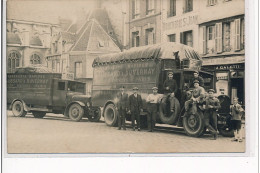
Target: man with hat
(196, 98)
(122, 106)
(152, 104)
(197, 77)
(135, 107)
(170, 89)
(210, 114)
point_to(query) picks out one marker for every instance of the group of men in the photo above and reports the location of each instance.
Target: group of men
(134, 105)
(198, 99)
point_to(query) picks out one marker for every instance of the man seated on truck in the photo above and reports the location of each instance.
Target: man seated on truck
(196, 98)
(170, 88)
(197, 77)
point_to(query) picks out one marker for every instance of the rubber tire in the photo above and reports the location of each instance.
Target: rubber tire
(18, 113)
(226, 133)
(199, 125)
(173, 117)
(38, 114)
(75, 108)
(111, 115)
(97, 116)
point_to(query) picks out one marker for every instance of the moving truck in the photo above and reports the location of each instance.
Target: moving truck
(41, 93)
(146, 67)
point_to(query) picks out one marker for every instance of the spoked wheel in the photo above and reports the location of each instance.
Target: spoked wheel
(76, 112)
(110, 115)
(18, 109)
(194, 124)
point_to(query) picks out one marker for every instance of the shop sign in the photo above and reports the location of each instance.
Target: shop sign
(68, 76)
(222, 76)
(182, 22)
(228, 67)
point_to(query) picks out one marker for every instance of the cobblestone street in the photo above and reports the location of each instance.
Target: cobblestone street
(57, 134)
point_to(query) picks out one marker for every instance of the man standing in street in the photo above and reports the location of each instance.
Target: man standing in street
(152, 104)
(135, 106)
(210, 114)
(198, 78)
(122, 106)
(236, 113)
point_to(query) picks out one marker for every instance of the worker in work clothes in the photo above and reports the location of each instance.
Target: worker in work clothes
(122, 107)
(212, 104)
(135, 107)
(236, 113)
(196, 98)
(152, 104)
(197, 77)
(170, 88)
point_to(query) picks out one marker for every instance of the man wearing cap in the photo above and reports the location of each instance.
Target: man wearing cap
(170, 88)
(210, 114)
(152, 103)
(122, 106)
(196, 98)
(135, 106)
(197, 77)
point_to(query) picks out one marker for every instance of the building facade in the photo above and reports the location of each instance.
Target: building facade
(222, 44)
(27, 43)
(143, 23)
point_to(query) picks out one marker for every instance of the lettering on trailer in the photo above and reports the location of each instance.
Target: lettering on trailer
(125, 73)
(27, 81)
(180, 23)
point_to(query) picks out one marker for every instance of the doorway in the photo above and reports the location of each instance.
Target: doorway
(237, 89)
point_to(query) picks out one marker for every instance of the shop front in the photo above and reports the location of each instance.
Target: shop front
(229, 78)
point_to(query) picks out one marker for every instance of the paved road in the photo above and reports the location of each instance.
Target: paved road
(56, 134)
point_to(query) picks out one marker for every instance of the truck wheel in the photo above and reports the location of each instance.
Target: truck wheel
(76, 112)
(168, 117)
(94, 116)
(110, 115)
(38, 114)
(18, 109)
(194, 124)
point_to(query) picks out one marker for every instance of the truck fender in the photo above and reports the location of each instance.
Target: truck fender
(24, 105)
(66, 112)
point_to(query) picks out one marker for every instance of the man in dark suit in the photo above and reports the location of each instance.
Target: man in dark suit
(135, 106)
(122, 107)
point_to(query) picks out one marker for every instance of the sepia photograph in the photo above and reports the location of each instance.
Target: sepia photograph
(125, 77)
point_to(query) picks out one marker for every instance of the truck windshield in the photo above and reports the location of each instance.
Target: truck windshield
(208, 79)
(76, 86)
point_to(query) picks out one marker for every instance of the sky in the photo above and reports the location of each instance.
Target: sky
(46, 11)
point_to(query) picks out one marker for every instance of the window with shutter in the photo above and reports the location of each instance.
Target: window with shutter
(242, 34)
(204, 39)
(237, 34)
(172, 8)
(218, 37)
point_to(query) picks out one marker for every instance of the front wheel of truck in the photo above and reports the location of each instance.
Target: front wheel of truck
(18, 109)
(194, 124)
(76, 112)
(38, 114)
(110, 115)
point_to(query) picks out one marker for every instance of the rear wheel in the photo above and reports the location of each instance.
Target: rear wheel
(38, 114)
(76, 112)
(111, 115)
(194, 124)
(18, 109)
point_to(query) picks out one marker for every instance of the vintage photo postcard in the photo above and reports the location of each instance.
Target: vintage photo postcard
(125, 76)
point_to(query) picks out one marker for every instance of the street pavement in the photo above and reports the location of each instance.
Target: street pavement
(58, 134)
